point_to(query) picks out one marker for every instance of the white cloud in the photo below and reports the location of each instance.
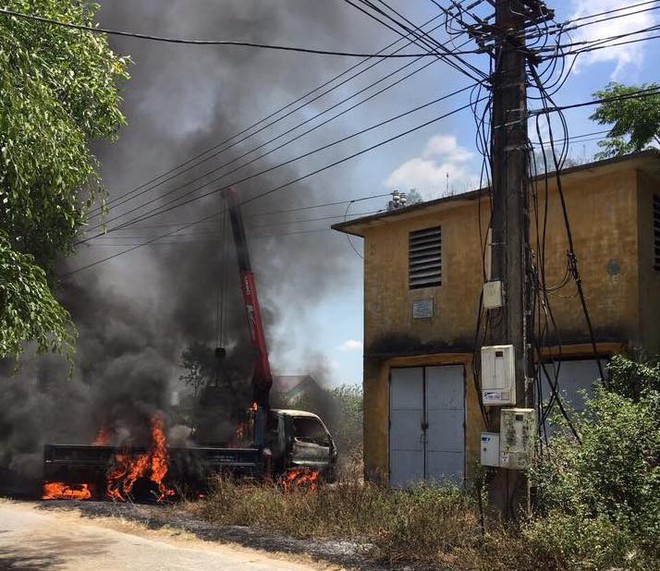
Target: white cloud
(619, 23)
(350, 345)
(443, 163)
(446, 146)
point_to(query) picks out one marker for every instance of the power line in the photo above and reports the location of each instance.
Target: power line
(431, 39)
(624, 43)
(171, 205)
(261, 121)
(263, 237)
(100, 30)
(280, 187)
(256, 227)
(421, 41)
(567, 26)
(271, 212)
(649, 92)
(262, 145)
(592, 45)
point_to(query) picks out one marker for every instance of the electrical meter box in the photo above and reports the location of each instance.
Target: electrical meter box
(490, 449)
(498, 375)
(492, 294)
(517, 437)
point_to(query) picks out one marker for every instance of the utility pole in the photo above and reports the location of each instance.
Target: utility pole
(511, 324)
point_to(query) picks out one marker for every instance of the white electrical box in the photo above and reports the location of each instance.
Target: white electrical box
(498, 375)
(490, 449)
(517, 437)
(492, 298)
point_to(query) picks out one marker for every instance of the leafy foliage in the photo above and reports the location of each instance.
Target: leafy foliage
(610, 484)
(585, 544)
(636, 120)
(633, 379)
(27, 307)
(58, 92)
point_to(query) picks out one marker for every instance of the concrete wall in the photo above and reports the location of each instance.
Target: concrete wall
(614, 259)
(602, 210)
(389, 325)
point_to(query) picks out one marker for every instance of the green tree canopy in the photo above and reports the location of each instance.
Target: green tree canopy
(58, 93)
(636, 120)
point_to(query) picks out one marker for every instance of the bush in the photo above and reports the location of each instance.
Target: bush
(632, 379)
(583, 543)
(601, 499)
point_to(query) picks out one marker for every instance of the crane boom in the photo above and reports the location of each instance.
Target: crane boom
(262, 378)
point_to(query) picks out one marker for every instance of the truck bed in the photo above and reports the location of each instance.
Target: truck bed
(188, 467)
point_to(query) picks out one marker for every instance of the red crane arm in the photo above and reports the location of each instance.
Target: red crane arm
(262, 378)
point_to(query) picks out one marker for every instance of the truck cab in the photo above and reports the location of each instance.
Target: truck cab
(299, 439)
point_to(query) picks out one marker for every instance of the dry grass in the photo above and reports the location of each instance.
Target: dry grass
(430, 527)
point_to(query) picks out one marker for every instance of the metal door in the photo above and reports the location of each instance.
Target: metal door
(445, 414)
(427, 417)
(574, 377)
(406, 418)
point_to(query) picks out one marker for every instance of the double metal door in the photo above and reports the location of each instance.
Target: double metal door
(427, 424)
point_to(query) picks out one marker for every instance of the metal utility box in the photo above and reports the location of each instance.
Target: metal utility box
(490, 449)
(498, 375)
(492, 293)
(517, 436)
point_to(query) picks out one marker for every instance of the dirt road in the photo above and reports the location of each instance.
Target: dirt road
(36, 540)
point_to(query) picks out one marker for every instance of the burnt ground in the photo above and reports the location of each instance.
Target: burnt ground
(345, 553)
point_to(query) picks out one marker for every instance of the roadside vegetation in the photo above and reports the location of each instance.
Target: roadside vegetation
(597, 508)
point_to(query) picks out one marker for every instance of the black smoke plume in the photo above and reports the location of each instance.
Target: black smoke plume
(136, 313)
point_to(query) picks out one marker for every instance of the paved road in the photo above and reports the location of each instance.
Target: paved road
(36, 540)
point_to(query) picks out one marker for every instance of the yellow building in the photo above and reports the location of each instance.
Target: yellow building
(424, 269)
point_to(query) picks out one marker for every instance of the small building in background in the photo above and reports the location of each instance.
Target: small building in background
(292, 388)
(424, 269)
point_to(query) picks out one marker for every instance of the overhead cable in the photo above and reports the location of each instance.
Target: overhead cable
(101, 30)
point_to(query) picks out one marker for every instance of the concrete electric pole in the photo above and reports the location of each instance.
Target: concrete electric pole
(511, 324)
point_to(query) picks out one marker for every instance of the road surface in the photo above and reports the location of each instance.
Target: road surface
(36, 540)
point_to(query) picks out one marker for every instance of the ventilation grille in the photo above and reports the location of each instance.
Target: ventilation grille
(656, 232)
(425, 258)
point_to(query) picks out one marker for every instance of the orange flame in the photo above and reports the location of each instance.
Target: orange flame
(159, 457)
(103, 437)
(301, 480)
(244, 429)
(60, 491)
(153, 465)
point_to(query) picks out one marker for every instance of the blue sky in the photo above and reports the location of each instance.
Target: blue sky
(445, 155)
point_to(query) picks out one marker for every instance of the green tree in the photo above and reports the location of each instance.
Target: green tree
(636, 120)
(59, 91)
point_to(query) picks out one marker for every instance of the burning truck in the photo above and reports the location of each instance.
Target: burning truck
(293, 445)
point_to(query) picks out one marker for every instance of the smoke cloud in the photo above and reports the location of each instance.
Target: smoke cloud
(136, 313)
